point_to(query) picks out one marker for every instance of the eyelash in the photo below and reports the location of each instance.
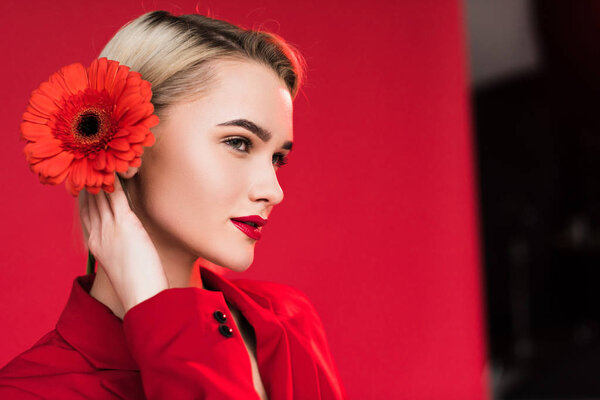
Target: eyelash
(283, 160)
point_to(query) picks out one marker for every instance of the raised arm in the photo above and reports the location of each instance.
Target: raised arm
(171, 332)
(183, 351)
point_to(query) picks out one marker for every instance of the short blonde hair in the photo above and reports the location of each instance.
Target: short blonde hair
(176, 54)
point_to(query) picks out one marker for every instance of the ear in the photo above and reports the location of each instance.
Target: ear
(129, 173)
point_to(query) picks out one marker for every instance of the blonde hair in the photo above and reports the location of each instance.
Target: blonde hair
(176, 54)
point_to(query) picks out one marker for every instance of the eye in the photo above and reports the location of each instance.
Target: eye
(282, 160)
(235, 143)
(238, 142)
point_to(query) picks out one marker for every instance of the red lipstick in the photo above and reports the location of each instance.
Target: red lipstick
(250, 225)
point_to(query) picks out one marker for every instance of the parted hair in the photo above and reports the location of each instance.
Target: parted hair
(176, 54)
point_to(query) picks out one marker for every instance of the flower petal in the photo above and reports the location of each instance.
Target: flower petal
(93, 73)
(79, 173)
(35, 132)
(93, 189)
(138, 148)
(134, 79)
(121, 165)
(129, 102)
(36, 165)
(110, 163)
(76, 179)
(120, 144)
(122, 133)
(134, 115)
(99, 179)
(109, 179)
(58, 80)
(125, 155)
(108, 184)
(132, 86)
(56, 165)
(109, 79)
(151, 121)
(145, 90)
(69, 185)
(53, 91)
(55, 180)
(44, 148)
(137, 133)
(27, 116)
(94, 177)
(100, 160)
(42, 103)
(136, 162)
(149, 141)
(54, 104)
(75, 77)
(100, 79)
(120, 81)
(31, 110)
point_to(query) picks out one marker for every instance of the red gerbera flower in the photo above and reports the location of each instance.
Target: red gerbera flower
(82, 125)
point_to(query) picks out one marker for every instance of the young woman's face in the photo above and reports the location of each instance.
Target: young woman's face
(206, 169)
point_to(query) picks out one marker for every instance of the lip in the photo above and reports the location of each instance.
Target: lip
(252, 218)
(249, 230)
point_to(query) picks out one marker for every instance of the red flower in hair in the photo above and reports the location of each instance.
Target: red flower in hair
(83, 124)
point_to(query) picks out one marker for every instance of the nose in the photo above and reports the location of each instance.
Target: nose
(266, 187)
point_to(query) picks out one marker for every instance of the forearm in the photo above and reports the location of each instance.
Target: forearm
(180, 351)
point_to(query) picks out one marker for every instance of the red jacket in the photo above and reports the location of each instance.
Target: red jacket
(175, 345)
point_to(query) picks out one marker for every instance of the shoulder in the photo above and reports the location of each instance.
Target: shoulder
(280, 294)
(304, 328)
(288, 302)
(41, 366)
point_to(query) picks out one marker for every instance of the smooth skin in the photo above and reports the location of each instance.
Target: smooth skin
(122, 246)
(195, 178)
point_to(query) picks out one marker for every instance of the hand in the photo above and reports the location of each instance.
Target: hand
(122, 246)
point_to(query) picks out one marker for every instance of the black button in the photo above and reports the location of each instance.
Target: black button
(219, 316)
(225, 330)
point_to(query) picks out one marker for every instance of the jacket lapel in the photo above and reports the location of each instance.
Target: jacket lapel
(272, 344)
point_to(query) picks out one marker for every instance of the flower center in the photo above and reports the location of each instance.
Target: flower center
(86, 123)
(89, 123)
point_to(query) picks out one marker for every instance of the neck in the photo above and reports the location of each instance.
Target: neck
(180, 266)
(181, 271)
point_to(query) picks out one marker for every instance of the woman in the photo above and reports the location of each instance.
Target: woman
(148, 324)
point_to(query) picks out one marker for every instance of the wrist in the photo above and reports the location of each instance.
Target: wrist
(142, 291)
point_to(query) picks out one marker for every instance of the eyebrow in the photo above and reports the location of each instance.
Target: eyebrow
(262, 133)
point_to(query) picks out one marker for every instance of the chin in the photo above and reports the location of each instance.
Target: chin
(238, 262)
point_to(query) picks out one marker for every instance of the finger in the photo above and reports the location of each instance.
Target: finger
(93, 211)
(129, 173)
(84, 210)
(103, 207)
(118, 199)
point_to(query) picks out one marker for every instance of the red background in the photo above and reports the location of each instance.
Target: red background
(378, 226)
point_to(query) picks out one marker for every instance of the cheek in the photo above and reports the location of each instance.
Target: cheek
(191, 190)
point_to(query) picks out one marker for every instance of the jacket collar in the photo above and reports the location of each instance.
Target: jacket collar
(97, 333)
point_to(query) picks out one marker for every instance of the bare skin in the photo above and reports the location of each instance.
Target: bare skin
(197, 176)
(250, 341)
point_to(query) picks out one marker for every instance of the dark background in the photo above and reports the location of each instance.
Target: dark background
(535, 70)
